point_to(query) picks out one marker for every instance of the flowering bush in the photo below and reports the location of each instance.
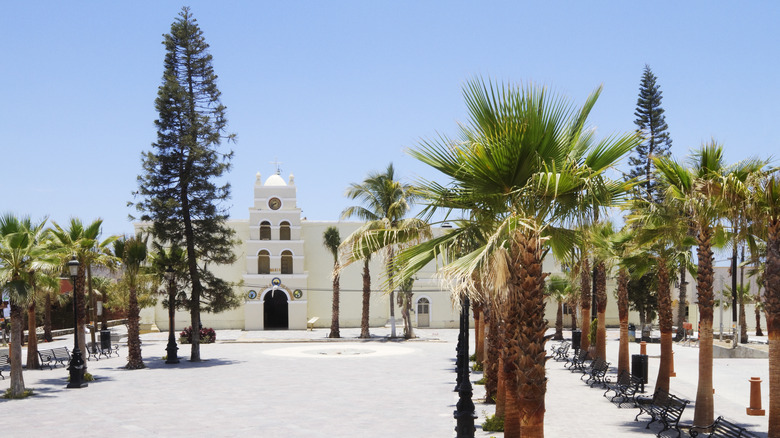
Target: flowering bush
(207, 336)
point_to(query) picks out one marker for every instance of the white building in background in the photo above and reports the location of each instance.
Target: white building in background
(286, 273)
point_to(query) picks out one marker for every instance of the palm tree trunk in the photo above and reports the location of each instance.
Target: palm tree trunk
(389, 272)
(15, 352)
(364, 330)
(478, 328)
(47, 319)
(525, 336)
(491, 360)
(32, 338)
(501, 388)
(512, 416)
(601, 306)
(573, 317)
(134, 358)
(559, 323)
(772, 307)
(623, 353)
(665, 323)
(683, 303)
(759, 332)
(585, 298)
(705, 405)
(334, 320)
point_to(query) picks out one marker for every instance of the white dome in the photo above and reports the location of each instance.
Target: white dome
(275, 180)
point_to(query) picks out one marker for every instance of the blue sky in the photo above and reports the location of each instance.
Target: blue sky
(337, 89)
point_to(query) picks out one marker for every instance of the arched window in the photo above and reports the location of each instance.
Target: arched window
(263, 262)
(287, 262)
(284, 231)
(265, 230)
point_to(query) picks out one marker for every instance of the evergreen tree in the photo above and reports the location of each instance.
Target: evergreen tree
(180, 187)
(652, 127)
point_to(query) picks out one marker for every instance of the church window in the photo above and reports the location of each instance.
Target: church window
(265, 230)
(263, 262)
(287, 262)
(284, 231)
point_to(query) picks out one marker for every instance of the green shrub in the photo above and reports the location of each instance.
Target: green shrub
(480, 381)
(477, 367)
(26, 393)
(493, 424)
(594, 326)
(473, 357)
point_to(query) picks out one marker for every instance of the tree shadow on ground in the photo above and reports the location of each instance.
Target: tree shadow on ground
(159, 364)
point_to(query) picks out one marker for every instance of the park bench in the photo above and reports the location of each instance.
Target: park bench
(625, 388)
(577, 362)
(721, 428)
(663, 407)
(596, 372)
(99, 351)
(54, 356)
(4, 364)
(560, 351)
(310, 323)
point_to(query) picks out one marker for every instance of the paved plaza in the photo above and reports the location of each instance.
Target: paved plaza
(301, 384)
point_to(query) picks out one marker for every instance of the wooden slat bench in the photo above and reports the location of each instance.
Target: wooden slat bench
(721, 428)
(310, 323)
(51, 358)
(577, 361)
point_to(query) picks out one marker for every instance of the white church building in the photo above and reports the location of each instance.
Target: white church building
(286, 271)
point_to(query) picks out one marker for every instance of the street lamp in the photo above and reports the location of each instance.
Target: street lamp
(76, 366)
(172, 349)
(464, 414)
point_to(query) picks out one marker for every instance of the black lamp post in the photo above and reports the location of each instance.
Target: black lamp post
(464, 414)
(172, 349)
(76, 366)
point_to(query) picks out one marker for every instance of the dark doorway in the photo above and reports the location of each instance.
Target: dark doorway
(275, 310)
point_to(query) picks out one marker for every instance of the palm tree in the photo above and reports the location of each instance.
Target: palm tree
(386, 202)
(21, 257)
(132, 251)
(765, 208)
(525, 157)
(405, 304)
(331, 239)
(558, 287)
(662, 231)
(83, 241)
(698, 191)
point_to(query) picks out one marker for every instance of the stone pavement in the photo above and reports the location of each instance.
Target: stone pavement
(301, 384)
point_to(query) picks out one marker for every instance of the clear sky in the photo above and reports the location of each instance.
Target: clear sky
(336, 89)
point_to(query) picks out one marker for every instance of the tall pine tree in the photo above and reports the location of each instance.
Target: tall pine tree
(180, 189)
(651, 125)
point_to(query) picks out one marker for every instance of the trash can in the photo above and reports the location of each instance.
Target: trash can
(639, 368)
(105, 339)
(631, 333)
(576, 337)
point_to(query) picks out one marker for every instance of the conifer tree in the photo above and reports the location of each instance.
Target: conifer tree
(652, 127)
(180, 187)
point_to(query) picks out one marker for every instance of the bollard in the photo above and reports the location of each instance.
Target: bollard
(755, 397)
(671, 366)
(643, 348)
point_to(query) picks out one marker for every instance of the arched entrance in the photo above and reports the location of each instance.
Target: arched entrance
(275, 310)
(423, 312)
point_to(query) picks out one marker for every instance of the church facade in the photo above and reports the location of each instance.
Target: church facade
(286, 275)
